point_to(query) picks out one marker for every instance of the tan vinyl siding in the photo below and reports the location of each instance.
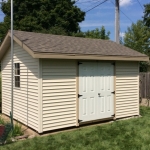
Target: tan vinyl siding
(6, 83)
(127, 89)
(25, 97)
(59, 94)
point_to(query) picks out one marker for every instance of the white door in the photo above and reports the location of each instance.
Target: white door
(105, 87)
(87, 91)
(96, 82)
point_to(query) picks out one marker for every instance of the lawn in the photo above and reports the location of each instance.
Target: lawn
(132, 134)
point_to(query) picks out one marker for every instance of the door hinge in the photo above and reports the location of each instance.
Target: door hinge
(79, 63)
(113, 63)
(79, 120)
(79, 95)
(113, 115)
(113, 92)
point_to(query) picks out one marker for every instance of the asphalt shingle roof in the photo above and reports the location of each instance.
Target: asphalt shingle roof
(47, 43)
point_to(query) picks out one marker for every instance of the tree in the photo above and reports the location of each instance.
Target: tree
(146, 18)
(137, 38)
(48, 16)
(98, 33)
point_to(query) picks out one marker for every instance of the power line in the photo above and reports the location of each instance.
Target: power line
(96, 6)
(96, 2)
(126, 16)
(123, 12)
(87, 1)
(87, 10)
(140, 4)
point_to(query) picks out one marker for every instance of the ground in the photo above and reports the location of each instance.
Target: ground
(132, 134)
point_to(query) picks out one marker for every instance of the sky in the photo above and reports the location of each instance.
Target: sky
(104, 15)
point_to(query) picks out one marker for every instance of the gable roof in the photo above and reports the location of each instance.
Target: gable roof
(40, 45)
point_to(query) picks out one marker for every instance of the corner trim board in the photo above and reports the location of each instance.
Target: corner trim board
(40, 104)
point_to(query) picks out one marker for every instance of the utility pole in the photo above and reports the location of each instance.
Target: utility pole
(117, 22)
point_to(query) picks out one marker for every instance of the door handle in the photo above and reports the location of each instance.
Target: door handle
(99, 94)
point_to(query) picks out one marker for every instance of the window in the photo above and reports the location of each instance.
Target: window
(17, 75)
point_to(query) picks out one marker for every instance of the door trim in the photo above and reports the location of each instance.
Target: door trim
(77, 81)
(115, 91)
(77, 91)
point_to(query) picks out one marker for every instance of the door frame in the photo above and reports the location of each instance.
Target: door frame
(77, 91)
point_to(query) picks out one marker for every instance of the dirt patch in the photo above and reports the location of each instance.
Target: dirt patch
(144, 102)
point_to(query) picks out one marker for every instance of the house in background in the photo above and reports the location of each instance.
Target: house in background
(62, 81)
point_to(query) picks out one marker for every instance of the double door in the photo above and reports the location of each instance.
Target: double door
(96, 90)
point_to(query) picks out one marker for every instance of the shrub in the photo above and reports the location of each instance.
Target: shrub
(2, 122)
(17, 130)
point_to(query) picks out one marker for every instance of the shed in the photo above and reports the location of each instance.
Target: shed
(63, 81)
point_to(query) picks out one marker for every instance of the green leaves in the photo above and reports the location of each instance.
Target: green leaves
(137, 37)
(98, 33)
(146, 18)
(42, 16)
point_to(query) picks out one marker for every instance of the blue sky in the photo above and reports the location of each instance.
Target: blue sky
(105, 14)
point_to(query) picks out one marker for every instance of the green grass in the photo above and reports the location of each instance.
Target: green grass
(132, 134)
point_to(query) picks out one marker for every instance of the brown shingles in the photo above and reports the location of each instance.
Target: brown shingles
(47, 43)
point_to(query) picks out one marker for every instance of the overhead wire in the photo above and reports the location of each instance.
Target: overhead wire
(140, 4)
(96, 6)
(122, 12)
(87, 1)
(85, 12)
(126, 17)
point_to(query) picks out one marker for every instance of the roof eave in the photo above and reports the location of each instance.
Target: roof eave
(5, 45)
(90, 57)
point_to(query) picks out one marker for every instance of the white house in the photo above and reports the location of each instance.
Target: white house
(63, 81)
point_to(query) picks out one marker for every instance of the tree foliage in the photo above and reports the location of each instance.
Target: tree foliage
(146, 18)
(48, 16)
(137, 37)
(98, 33)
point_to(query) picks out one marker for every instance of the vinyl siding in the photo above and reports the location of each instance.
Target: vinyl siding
(127, 89)
(26, 97)
(59, 94)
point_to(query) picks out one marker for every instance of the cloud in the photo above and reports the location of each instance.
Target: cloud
(122, 34)
(125, 2)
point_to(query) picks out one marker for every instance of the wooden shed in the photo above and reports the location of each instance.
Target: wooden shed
(62, 81)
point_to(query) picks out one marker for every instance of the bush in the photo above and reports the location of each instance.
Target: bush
(17, 129)
(2, 122)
